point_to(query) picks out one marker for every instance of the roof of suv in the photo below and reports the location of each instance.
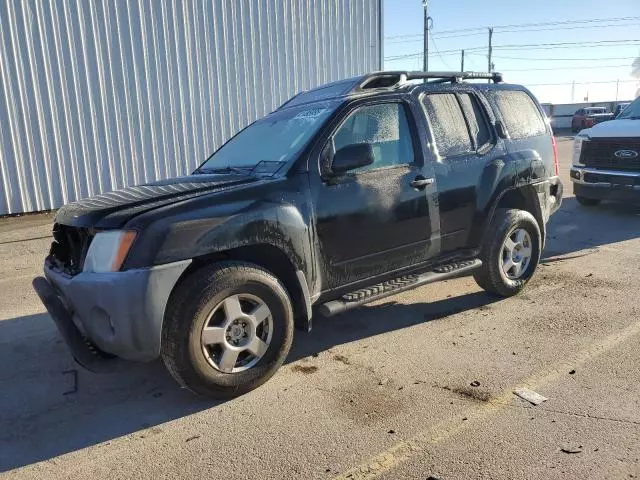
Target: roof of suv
(381, 82)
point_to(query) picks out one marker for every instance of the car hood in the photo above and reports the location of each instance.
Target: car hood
(113, 209)
(614, 128)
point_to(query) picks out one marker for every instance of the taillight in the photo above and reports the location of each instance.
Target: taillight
(556, 164)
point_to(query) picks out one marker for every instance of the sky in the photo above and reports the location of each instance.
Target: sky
(579, 60)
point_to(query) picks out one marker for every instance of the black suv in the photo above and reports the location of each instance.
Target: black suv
(347, 193)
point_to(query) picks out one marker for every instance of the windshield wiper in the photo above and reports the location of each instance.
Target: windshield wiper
(243, 170)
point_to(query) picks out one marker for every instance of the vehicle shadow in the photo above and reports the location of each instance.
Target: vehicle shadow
(49, 406)
(575, 228)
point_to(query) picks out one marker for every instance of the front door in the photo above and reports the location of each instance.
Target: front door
(374, 219)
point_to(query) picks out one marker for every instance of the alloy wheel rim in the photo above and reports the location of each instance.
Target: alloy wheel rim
(516, 253)
(237, 333)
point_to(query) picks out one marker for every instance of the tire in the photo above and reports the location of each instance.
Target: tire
(587, 202)
(573, 127)
(198, 300)
(491, 275)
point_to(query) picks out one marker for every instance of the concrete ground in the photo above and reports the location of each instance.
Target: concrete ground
(382, 392)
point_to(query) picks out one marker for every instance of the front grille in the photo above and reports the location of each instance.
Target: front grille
(69, 248)
(600, 153)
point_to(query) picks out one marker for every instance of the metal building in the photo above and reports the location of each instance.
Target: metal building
(98, 95)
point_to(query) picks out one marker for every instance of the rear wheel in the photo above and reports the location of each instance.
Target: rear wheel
(587, 202)
(511, 253)
(227, 330)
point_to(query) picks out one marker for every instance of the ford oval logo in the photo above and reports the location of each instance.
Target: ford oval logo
(626, 154)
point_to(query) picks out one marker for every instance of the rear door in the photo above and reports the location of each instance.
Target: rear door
(466, 149)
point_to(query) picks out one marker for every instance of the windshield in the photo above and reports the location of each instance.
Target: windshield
(632, 111)
(272, 140)
(592, 111)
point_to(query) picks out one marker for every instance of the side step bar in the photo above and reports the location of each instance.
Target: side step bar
(355, 299)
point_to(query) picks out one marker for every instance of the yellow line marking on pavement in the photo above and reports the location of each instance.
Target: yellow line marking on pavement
(403, 451)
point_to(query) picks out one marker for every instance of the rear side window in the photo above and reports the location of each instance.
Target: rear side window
(521, 116)
(478, 124)
(447, 124)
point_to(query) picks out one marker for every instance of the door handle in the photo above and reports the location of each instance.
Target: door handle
(420, 182)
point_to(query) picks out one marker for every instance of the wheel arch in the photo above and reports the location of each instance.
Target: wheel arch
(524, 197)
(274, 260)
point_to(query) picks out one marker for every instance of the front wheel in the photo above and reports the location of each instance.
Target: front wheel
(511, 253)
(227, 329)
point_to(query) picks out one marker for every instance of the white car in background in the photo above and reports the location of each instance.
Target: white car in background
(606, 160)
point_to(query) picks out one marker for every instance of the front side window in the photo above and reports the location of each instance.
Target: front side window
(274, 139)
(385, 128)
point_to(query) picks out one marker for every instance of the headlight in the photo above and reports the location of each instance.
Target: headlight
(577, 149)
(108, 251)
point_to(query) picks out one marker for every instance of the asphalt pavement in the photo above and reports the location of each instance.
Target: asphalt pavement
(418, 385)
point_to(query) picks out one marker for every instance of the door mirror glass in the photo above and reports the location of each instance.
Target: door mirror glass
(352, 157)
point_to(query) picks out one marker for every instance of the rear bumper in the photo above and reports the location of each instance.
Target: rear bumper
(621, 186)
(120, 313)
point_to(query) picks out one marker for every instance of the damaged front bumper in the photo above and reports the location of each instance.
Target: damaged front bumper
(106, 317)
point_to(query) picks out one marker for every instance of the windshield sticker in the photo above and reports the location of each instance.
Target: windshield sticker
(310, 114)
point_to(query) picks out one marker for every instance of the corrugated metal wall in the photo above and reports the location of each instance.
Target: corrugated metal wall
(96, 95)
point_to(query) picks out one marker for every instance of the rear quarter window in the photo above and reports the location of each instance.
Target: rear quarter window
(520, 114)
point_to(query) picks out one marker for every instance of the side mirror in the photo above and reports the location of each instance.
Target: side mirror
(502, 131)
(352, 157)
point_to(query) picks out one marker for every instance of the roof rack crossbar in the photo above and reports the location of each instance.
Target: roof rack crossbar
(390, 79)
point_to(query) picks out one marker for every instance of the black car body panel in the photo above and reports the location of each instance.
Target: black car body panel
(326, 234)
(114, 209)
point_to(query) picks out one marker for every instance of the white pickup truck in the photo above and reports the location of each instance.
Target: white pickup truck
(606, 160)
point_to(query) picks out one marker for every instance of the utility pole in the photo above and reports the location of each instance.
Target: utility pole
(425, 61)
(490, 51)
(573, 92)
(617, 86)
(462, 61)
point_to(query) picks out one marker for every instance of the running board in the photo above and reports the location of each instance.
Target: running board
(355, 299)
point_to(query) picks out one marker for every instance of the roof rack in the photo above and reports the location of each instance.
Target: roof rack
(394, 79)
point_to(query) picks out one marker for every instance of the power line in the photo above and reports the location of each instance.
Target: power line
(568, 22)
(536, 46)
(414, 38)
(563, 68)
(435, 47)
(438, 36)
(566, 28)
(578, 83)
(561, 44)
(539, 24)
(554, 59)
